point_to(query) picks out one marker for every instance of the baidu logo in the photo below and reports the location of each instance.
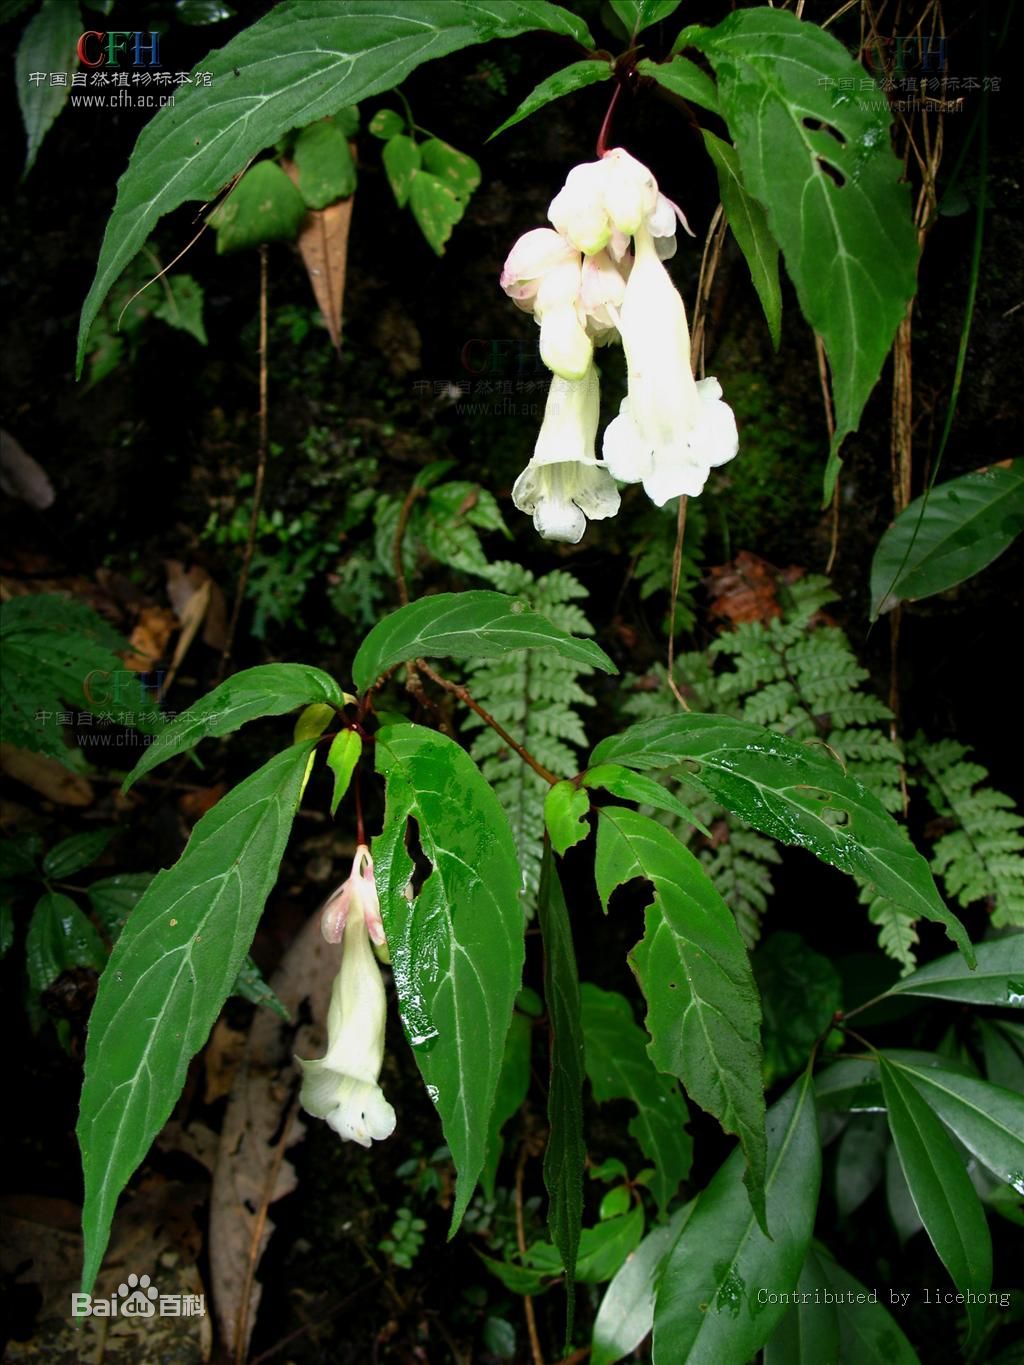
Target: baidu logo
(138, 1297)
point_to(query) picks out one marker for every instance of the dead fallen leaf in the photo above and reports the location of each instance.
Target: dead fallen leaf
(221, 1058)
(46, 776)
(194, 1139)
(261, 1121)
(323, 246)
(149, 638)
(182, 586)
(195, 804)
(744, 590)
(22, 476)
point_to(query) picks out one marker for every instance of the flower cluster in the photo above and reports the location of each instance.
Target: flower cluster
(342, 1087)
(585, 289)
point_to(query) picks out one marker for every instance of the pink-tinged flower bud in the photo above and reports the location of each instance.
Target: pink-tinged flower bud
(342, 1087)
(533, 256)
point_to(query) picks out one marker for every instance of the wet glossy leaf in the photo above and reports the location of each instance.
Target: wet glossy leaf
(60, 937)
(703, 1011)
(626, 1314)
(565, 82)
(465, 625)
(800, 992)
(457, 947)
(685, 79)
(324, 159)
(170, 972)
(263, 207)
(821, 162)
(708, 1306)
(620, 781)
(72, 854)
(987, 1119)
(565, 812)
(935, 543)
(850, 1083)
(1003, 1044)
(749, 226)
(636, 15)
(298, 63)
(809, 1332)
(941, 1189)
(796, 793)
(566, 1151)
(997, 980)
(269, 690)
(47, 45)
(619, 1068)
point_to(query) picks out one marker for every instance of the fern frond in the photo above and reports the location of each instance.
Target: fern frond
(982, 859)
(897, 935)
(536, 697)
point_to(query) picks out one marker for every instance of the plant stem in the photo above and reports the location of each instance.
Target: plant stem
(457, 690)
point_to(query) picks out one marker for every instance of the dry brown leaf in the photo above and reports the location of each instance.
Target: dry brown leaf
(744, 590)
(149, 638)
(194, 805)
(323, 246)
(182, 586)
(46, 776)
(221, 1058)
(251, 1170)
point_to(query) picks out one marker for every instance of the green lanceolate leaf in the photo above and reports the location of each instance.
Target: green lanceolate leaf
(822, 164)
(72, 854)
(565, 1152)
(940, 1187)
(636, 15)
(60, 937)
(263, 207)
(626, 1314)
(457, 947)
(860, 1160)
(602, 1251)
(251, 985)
(620, 781)
(465, 625)
(987, 1119)
(619, 1068)
(302, 61)
(47, 45)
(944, 538)
(749, 226)
(564, 82)
(796, 793)
(565, 815)
(997, 980)
(513, 1084)
(269, 690)
(342, 757)
(809, 1332)
(683, 78)
(868, 1333)
(703, 1011)
(709, 1306)
(171, 970)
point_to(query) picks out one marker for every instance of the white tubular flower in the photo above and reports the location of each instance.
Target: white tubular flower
(604, 203)
(565, 483)
(565, 348)
(670, 431)
(342, 1086)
